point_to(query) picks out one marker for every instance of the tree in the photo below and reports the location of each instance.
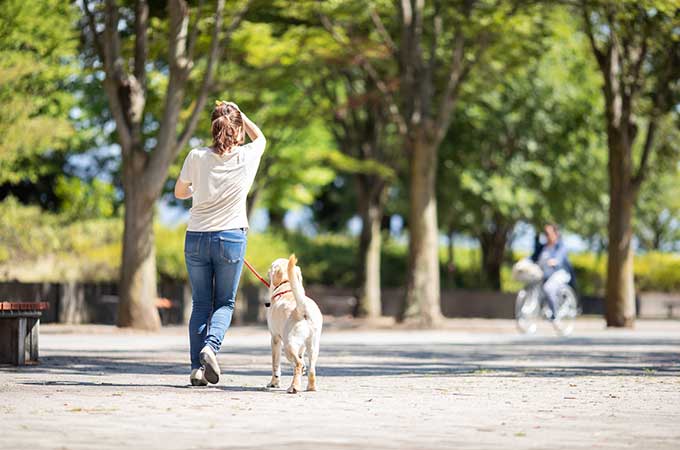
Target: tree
(637, 51)
(38, 55)
(491, 158)
(119, 36)
(524, 133)
(658, 209)
(657, 224)
(362, 126)
(274, 44)
(434, 63)
(360, 129)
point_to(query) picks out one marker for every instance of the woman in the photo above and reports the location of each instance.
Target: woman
(218, 179)
(552, 259)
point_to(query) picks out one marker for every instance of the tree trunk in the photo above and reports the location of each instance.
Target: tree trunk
(137, 304)
(493, 244)
(422, 303)
(276, 217)
(450, 262)
(620, 291)
(370, 244)
(145, 173)
(658, 230)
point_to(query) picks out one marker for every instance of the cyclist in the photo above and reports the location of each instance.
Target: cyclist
(552, 258)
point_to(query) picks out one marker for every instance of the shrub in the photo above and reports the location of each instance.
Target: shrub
(39, 246)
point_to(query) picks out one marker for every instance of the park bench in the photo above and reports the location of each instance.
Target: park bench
(19, 330)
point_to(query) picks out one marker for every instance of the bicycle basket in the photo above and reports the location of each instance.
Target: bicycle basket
(526, 271)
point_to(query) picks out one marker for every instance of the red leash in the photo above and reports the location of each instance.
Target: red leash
(257, 275)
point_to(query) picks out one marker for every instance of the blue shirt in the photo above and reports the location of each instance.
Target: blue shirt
(543, 253)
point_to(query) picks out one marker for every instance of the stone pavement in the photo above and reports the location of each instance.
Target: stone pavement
(475, 384)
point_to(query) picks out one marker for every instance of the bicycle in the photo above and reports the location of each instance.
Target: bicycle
(531, 304)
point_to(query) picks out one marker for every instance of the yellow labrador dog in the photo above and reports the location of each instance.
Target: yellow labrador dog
(294, 321)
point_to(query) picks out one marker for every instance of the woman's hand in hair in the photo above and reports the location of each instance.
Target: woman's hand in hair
(251, 129)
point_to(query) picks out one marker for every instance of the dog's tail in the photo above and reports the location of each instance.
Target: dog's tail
(295, 279)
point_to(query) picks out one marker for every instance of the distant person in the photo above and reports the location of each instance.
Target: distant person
(218, 179)
(552, 258)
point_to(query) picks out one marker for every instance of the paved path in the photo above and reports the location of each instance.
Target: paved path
(476, 384)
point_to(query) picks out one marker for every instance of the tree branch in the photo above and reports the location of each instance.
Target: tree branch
(236, 21)
(660, 104)
(136, 91)
(112, 39)
(205, 83)
(141, 41)
(194, 31)
(637, 66)
(115, 83)
(169, 145)
(382, 31)
(599, 54)
(646, 151)
(215, 53)
(92, 24)
(179, 67)
(437, 27)
(459, 71)
(370, 70)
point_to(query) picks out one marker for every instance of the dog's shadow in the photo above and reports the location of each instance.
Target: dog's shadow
(237, 388)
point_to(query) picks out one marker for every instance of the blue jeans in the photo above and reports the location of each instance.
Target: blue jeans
(214, 261)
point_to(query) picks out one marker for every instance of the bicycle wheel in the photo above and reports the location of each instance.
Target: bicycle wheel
(527, 309)
(566, 311)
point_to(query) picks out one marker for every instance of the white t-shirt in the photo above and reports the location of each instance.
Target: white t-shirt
(221, 185)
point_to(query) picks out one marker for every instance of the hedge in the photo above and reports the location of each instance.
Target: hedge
(38, 246)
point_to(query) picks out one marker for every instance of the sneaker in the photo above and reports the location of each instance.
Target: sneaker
(197, 377)
(212, 368)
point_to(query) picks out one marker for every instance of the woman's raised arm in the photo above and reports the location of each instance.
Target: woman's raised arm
(251, 129)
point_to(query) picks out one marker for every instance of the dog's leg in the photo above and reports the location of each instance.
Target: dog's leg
(302, 357)
(293, 356)
(276, 362)
(313, 356)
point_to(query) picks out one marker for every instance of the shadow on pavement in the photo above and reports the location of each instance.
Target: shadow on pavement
(128, 385)
(532, 357)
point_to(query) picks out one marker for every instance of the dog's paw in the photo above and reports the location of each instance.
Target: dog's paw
(311, 387)
(293, 390)
(274, 382)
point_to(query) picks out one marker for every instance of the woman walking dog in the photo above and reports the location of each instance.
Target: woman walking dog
(218, 179)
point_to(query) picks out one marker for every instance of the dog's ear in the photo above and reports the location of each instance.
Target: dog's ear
(298, 273)
(275, 274)
(272, 271)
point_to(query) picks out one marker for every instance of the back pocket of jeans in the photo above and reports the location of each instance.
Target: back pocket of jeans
(231, 249)
(192, 244)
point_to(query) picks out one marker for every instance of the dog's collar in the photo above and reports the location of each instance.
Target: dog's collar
(280, 284)
(277, 295)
